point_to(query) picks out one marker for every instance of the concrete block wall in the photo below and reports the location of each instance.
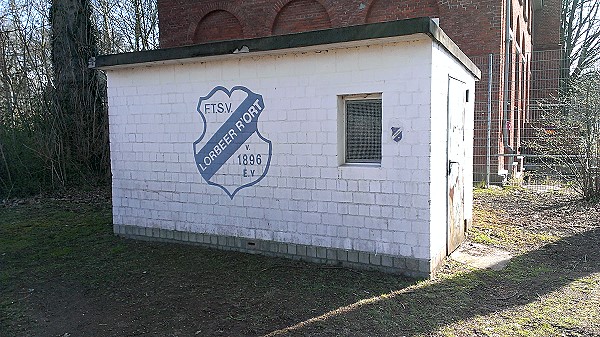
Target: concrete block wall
(306, 198)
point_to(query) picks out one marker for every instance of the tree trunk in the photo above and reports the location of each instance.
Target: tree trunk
(77, 91)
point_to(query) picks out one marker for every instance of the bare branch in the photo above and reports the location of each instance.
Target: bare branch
(581, 34)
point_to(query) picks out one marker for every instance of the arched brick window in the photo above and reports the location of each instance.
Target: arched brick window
(299, 16)
(218, 25)
(385, 10)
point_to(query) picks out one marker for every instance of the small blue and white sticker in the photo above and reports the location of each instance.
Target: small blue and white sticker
(231, 153)
(396, 134)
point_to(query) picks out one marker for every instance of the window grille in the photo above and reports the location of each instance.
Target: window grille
(363, 131)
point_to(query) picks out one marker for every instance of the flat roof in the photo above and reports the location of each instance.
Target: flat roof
(383, 30)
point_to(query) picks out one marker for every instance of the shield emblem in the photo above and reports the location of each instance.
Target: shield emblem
(231, 153)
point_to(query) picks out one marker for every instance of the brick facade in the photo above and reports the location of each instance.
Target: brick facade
(546, 66)
(299, 16)
(546, 30)
(477, 26)
(217, 25)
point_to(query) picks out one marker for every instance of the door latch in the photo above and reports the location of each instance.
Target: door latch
(450, 162)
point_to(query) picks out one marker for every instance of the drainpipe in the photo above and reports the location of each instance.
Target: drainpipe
(506, 102)
(488, 157)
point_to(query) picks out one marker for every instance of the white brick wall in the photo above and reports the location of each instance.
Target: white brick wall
(306, 197)
(443, 68)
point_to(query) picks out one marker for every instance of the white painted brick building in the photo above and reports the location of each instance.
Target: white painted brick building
(279, 175)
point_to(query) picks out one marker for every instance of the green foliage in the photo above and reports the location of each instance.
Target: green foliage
(20, 167)
(480, 184)
(33, 160)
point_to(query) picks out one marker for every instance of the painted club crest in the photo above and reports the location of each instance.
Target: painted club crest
(231, 153)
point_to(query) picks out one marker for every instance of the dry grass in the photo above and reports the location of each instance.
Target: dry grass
(62, 271)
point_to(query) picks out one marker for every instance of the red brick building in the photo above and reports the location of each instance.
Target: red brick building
(509, 29)
(476, 26)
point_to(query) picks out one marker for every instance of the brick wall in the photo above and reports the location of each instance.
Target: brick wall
(547, 64)
(180, 19)
(394, 210)
(476, 26)
(547, 26)
(218, 25)
(300, 16)
(383, 10)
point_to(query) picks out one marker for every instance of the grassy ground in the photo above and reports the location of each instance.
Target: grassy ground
(63, 273)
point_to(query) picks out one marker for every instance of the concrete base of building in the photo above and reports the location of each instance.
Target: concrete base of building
(412, 267)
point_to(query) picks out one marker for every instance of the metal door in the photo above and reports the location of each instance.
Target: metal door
(456, 162)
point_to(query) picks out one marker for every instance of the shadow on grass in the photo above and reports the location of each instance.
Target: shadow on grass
(62, 272)
(426, 307)
(569, 202)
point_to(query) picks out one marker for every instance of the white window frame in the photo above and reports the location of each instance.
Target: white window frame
(342, 131)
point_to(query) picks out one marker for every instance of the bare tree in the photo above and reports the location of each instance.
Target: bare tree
(78, 93)
(25, 74)
(569, 137)
(126, 25)
(580, 23)
(53, 120)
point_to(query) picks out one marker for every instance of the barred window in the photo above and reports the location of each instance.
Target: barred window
(362, 130)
